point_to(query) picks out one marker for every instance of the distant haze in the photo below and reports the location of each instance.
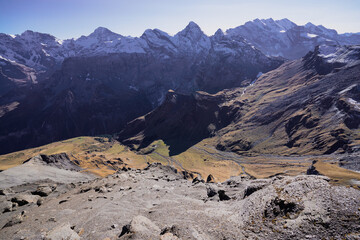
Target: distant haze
(73, 18)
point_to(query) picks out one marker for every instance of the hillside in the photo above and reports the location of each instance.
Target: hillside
(305, 107)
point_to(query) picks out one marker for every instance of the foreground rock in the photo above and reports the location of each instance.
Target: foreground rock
(158, 203)
(62, 232)
(57, 168)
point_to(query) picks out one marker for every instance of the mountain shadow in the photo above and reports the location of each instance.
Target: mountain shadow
(181, 122)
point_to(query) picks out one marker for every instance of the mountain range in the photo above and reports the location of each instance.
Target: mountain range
(55, 89)
(252, 133)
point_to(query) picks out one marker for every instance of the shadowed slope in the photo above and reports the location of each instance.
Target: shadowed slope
(307, 106)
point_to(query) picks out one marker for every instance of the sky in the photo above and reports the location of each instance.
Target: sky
(73, 18)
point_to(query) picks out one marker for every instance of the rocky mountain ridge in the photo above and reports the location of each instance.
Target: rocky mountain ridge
(289, 40)
(43, 51)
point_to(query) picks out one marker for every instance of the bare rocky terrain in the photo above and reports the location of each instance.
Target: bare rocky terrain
(159, 203)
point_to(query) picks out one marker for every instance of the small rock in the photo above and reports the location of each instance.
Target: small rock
(85, 189)
(24, 199)
(197, 180)
(6, 206)
(43, 191)
(223, 196)
(40, 201)
(125, 188)
(101, 189)
(62, 201)
(52, 219)
(15, 220)
(312, 169)
(168, 236)
(211, 190)
(169, 233)
(14, 205)
(114, 226)
(6, 191)
(210, 179)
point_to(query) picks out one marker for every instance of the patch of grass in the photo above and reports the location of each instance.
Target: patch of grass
(340, 175)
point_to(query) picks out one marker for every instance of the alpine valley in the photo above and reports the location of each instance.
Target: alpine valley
(251, 133)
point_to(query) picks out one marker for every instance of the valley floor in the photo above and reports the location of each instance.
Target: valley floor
(102, 156)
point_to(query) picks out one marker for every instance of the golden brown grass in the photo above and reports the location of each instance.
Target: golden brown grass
(336, 173)
(106, 157)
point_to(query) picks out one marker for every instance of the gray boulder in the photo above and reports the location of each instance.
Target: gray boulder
(62, 232)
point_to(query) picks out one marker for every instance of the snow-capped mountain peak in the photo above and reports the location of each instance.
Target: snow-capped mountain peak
(155, 34)
(102, 33)
(31, 36)
(272, 37)
(156, 38)
(192, 39)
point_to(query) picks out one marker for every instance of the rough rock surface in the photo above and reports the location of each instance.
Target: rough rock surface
(56, 168)
(159, 203)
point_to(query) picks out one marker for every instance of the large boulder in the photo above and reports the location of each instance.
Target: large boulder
(23, 199)
(62, 232)
(43, 191)
(140, 227)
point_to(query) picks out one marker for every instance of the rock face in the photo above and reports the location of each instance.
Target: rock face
(181, 121)
(61, 161)
(158, 203)
(307, 106)
(57, 167)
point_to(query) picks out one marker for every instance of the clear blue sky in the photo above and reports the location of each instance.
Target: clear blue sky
(73, 18)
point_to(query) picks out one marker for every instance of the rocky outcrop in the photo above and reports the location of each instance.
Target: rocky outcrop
(158, 203)
(61, 161)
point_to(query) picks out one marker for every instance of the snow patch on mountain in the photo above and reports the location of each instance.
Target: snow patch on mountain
(348, 55)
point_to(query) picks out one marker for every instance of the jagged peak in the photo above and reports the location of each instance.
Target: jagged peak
(219, 34)
(193, 25)
(286, 23)
(191, 29)
(29, 34)
(267, 20)
(310, 24)
(285, 20)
